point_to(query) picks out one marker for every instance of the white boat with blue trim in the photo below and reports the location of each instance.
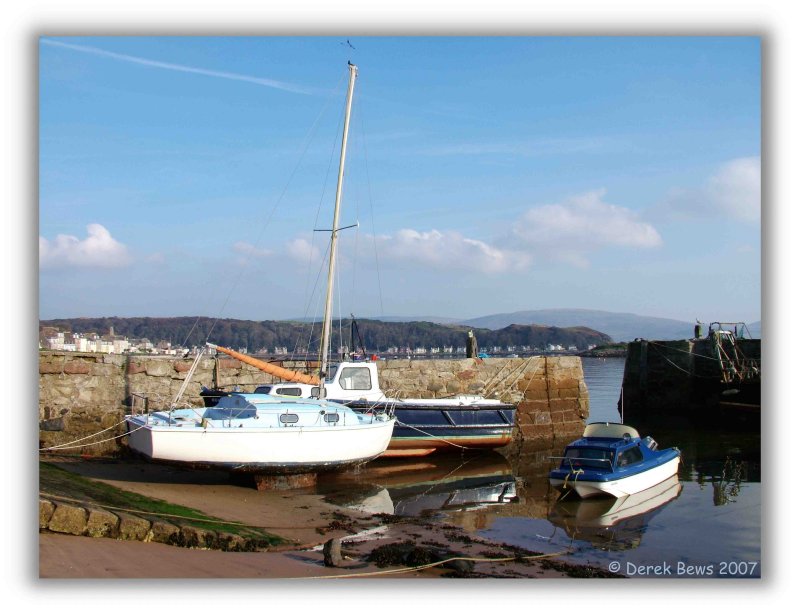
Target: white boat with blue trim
(423, 427)
(255, 432)
(269, 433)
(611, 459)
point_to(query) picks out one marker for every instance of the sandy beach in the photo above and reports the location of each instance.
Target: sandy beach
(300, 516)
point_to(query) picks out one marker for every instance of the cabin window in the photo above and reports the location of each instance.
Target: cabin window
(629, 456)
(314, 391)
(288, 419)
(355, 379)
(263, 390)
(588, 458)
(332, 417)
(293, 391)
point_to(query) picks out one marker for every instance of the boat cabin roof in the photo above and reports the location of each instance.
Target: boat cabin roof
(616, 431)
(263, 401)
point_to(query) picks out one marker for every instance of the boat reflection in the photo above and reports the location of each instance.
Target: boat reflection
(613, 524)
(423, 487)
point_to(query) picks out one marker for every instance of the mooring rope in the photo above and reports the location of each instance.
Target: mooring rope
(439, 563)
(679, 368)
(67, 445)
(187, 379)
(485, 387)
(577, 473)
(530, 380)
(519, 369)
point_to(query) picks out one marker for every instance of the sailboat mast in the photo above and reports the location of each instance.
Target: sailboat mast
(326, 324)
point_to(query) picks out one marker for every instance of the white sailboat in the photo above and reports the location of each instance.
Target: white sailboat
(424, 426)
(267, 433)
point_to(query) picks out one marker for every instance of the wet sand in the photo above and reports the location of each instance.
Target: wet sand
(300, 516)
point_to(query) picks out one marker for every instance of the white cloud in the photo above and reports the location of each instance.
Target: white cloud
(537, 147)
(734, 192)
(248, 249)
(98, 250)
(449, 250)
(736, 189)
(302, 250)
(298, 249)
(567, 231)
(581, 224)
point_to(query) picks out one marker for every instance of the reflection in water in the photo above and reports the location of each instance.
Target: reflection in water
(710, 512)
(418, 488)
(613, 524)
(475, 491)
(728, 485)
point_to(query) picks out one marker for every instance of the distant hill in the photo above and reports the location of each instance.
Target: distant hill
(622, 327)
(439, 320)
(377, 335)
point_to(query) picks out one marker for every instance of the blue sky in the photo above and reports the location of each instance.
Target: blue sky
(185, 175)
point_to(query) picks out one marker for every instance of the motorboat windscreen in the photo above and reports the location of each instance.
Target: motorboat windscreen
(599, 458)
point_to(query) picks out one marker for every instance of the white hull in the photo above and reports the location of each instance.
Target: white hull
(289, 449)
(604, 512)
(622, 487)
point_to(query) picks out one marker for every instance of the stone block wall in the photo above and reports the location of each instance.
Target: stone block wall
(85, 393)
(555, 401)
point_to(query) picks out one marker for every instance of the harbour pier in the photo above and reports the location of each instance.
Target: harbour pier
(713, 381)
(83, 397)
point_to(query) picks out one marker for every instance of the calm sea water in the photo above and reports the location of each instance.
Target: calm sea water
(706, 523)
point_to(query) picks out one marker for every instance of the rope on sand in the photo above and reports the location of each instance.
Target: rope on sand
(439, 563)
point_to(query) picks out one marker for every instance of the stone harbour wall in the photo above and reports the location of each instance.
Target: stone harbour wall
(669, 381)
(81, 394)
(69, 518)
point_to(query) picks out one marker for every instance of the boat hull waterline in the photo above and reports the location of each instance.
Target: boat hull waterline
(620, 487)
(288, 449)
(593, 513)
(424, 426)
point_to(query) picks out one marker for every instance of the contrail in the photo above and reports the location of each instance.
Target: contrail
(271, 83)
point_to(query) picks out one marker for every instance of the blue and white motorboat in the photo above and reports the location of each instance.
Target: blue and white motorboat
(612, 459)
